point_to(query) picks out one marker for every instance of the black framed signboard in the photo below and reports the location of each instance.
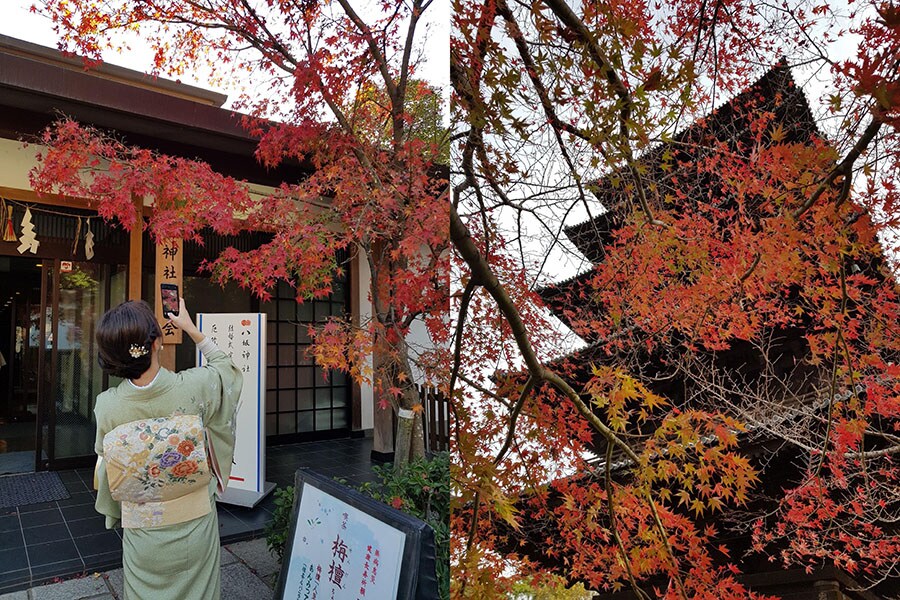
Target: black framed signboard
(346, 546)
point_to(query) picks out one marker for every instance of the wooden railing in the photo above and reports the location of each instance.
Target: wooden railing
(437, 419)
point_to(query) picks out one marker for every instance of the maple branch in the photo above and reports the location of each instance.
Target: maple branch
(436, 279)
(373, 48)
(460, 322)
(517, 408)
(276, 43)
(834, 361)
(458, 189)
(504, 199)
(475, 385)
(571, 20)
(555, 123)
(532, 71)
(374, 280)
(264, 48)
(417, 9)
(613, 526)
(345, 123)
(845, 168)
(240, 32)
(720, 396)
(466, 90)
(746, 274)
(482, 272)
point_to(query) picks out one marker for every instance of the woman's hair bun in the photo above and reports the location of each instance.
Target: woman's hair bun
(125, 337)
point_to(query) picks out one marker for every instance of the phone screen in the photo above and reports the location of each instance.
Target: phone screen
(169, 299)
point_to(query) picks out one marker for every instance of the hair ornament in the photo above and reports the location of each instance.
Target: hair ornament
(137, 351)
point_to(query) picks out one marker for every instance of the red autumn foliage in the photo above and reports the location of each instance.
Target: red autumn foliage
(331, 87)
(735, 406)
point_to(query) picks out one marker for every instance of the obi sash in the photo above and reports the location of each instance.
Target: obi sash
(158, 470)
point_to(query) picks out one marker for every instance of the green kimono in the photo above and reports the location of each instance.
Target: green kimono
(177, 562)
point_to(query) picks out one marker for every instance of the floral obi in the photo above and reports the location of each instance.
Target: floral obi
(158, 470)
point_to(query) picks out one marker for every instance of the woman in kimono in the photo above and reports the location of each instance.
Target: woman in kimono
(165, 443)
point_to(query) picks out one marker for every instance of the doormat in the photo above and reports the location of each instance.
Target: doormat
(31, 488)
(16, 462)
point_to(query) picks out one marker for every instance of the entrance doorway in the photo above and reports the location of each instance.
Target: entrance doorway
(20, 311)
(51, 379)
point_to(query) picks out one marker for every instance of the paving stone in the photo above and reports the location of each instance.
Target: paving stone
(116, 580)
(21, 595)
(227, 557)
(272, 580)
(257, 556)
(73, 589)
(238, 583)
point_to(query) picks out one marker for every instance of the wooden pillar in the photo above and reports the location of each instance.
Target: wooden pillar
(135, 247)
(384, 419)
(355, 389)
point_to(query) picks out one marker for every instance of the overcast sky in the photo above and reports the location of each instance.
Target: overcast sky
(817, 84)
(19, 23)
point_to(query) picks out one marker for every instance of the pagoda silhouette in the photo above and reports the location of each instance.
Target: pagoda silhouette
(774, 365)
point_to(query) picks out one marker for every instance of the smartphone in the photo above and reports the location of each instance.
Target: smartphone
(169, 294)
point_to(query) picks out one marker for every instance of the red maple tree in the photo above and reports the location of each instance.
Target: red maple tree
(737, 399)
(339, 95)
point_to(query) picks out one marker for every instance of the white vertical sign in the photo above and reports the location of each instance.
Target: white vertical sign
(242, 336)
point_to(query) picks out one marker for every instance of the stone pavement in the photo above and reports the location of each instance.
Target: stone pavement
(62, 540)
(248, 573)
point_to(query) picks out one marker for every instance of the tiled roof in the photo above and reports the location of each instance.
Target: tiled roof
(775, 91)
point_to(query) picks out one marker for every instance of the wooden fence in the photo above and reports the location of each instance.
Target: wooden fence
(437, 419)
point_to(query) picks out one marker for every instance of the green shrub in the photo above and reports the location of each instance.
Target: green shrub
(279, 528)
(421, 490)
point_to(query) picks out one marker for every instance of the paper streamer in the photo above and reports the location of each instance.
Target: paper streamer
(89, 242)
(28, 238)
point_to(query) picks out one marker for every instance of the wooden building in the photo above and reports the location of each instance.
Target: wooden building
(571, 301)
(51, 299)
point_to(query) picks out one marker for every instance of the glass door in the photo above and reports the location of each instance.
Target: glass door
(76, 296)
(42, 335)
(20, 303)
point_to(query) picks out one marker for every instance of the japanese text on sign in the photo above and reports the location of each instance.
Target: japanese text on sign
(357, 555)
(168, 270)
(226, 330)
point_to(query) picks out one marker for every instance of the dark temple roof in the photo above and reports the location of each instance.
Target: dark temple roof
(39, 84)
(774, 92)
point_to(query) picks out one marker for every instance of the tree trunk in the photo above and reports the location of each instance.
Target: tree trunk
(393, 365)
(404, 439)
(410, 438)
(418, 442)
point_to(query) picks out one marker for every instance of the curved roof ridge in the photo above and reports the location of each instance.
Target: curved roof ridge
(780, 70)
(567, 281)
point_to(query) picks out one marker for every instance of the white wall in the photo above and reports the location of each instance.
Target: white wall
(15, 162)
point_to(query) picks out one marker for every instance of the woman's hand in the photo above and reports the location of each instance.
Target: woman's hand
(182, 320)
